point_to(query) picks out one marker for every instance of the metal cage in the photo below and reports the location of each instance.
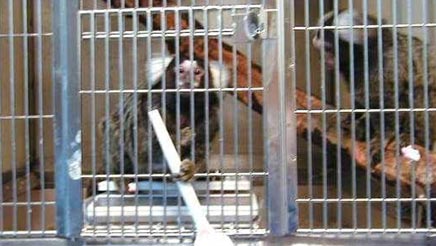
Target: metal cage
(281, 166)
(234, 196)
(343, 190)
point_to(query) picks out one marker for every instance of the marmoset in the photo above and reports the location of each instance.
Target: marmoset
(403, 83)
(196, 112)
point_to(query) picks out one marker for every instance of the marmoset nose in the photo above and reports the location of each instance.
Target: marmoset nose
(187, 67)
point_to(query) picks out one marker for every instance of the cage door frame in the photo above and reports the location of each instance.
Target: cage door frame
(69, 213)
(279, 119)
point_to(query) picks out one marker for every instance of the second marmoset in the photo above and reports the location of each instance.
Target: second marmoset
(386, 70)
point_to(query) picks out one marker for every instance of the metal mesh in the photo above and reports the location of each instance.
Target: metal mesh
(115, 49)
(26, 120)
(341, 189)
(249, 181)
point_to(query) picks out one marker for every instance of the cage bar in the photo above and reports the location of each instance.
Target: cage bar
(280, 157)
(353, 195)
(103, 212)
(100, 53)
(68, 135)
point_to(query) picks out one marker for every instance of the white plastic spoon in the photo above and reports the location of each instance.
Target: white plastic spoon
(206, 233)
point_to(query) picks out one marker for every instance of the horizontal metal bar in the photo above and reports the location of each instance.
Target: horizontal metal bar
(372, 110)
(23, 117)
(27, 233)
(390, 26)
(25, 240)
(158, 34)
(344, 200)
(366, 230)
(142, 227)
(25, 35)
(27, 203)
(159, 175)
(138, 11)
(167, 233)
(170, 90)
(229, 185)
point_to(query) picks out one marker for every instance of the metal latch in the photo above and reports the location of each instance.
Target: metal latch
(252, 25)
(256, 24)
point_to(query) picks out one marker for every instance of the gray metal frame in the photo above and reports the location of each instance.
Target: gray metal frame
(366, 192)
(279, 76)
(279, 123)
(67, 111)
(280, 145)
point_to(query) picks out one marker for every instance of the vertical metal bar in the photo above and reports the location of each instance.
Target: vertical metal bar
(288, 92)
(397, 122)
(120, 27)
(26, 113)
(266, 4)
(428, 169)
(250, 125)
(353, 122)
(309, 116)
(323, 122)
(12, 112)
(280, 141)
(177, 61)
(107, 76)
(367, 114)
(178, 100)
(40, 103)
(250, 122)
(382, 116)
(207, 86)
(411, 104)
(93, 112)
(164, 109)
(69, 215)
(338, 102)
(191, 93)
(221, 110)
(149, 130)
(236, 130)
(135, 110)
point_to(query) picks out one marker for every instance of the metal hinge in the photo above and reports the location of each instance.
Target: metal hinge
(256, 24)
